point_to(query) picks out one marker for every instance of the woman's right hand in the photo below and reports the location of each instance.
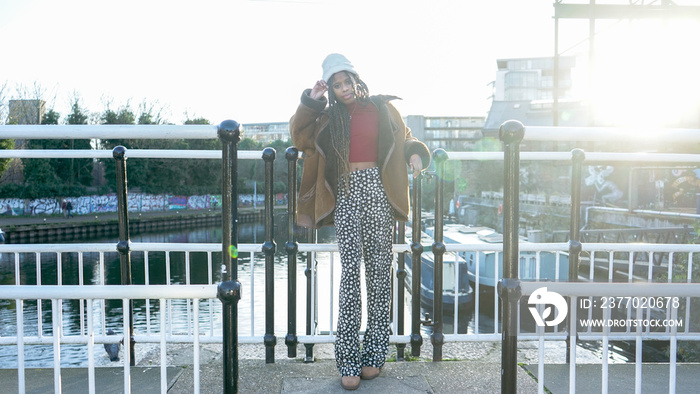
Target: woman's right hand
(318, 90)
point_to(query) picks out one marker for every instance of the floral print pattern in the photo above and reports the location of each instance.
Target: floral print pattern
(363, 223)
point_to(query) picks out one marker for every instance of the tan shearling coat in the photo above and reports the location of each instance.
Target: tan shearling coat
(311, 134)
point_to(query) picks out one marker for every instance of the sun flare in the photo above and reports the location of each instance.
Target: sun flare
(645, 74)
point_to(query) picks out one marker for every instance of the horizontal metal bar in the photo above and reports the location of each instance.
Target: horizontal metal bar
(321, 339)
(130, 153)
(179, 338)
(178, 247)
(564, 247)
(133, 246)
(56, 153)
(646, 336)
(58, 248)
(106, 339)
(639, 247)
(76, 132)
(677, 158)
(188, 154)
(316, 339)
(189, 247)
(66, 292)
(532, 133)
(610, 134)
(306, 247)
(591, 157)
(621, 11)
(48, 339)
(472, 337)
(498, 156)
(641, 157)
(172, 154)
(577, 289)
(498, 247)
(597, 336)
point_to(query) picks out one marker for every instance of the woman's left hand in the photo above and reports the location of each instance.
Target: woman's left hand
(416, 165)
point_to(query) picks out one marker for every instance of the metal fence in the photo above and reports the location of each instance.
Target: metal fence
(219, 299)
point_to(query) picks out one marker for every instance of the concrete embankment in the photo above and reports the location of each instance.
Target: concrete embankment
(36, 229)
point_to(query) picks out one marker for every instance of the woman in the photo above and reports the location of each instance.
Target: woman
(356, 154)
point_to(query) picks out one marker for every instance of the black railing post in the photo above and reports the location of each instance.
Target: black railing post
(577, 158)
(311, 296)
(229, 290)
(401, 276)
(509, 291)
(123, 247)
(269, 248)
(511, 133)
(292, 247)
(437, 338)
(416, 251)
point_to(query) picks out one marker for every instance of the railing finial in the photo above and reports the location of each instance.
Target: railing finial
(119, 152)
(229, 130)
(511, 131)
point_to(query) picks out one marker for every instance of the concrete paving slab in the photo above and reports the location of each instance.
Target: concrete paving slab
(108, 380)
(321, 376)
(406, 385)
(621, 378)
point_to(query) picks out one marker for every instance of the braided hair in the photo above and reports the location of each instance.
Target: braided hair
(340, 123)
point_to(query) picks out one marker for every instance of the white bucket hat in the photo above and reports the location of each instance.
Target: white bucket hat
(334, 63)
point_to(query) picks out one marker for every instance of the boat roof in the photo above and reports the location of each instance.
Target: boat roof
(463, 234)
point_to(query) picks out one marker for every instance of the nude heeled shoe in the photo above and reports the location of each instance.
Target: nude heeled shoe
(350, 382)
(369, 373)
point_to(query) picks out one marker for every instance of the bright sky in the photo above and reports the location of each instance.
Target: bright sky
(249, 60)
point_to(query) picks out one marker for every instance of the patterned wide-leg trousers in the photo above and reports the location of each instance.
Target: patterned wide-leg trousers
(363, 225)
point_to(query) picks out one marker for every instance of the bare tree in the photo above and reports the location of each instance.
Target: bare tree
(4, 144)
(3, 103)
(152, 112)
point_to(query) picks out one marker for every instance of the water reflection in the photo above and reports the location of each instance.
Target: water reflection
(152, 268)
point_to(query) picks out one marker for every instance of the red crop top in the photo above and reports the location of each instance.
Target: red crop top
(364, 130)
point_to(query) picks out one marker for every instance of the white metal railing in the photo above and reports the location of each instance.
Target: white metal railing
(532, 133)
(91, 293)
(130, 153)
(69, 132)
(590, 253)
(597, 256)
(640, 291)
(677, 158)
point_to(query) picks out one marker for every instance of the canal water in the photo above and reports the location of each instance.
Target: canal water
(157, 268)
(176, 266)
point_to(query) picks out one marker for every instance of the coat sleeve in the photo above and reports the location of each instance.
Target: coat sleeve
(412, 145)
(305, 123)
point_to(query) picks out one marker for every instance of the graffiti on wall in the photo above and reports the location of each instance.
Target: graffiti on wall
(42, 206)
(606, 189)
(685, 184)
(204, 202)
(12, 206)
(141, 202)
(177, 202)
(136, 202)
